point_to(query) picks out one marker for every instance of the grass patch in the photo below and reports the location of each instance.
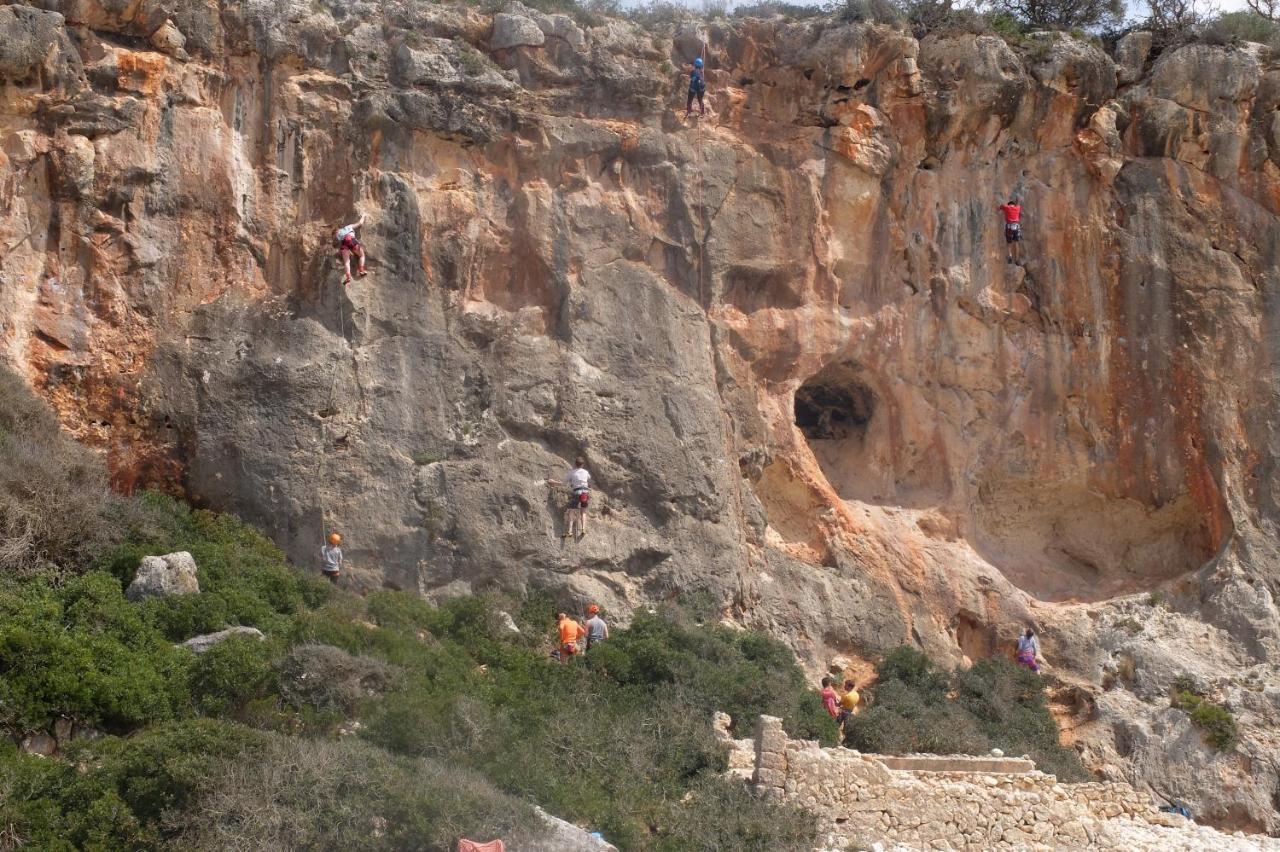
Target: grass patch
(1216, 722)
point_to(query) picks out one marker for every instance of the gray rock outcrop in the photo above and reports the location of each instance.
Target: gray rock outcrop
(163, 576)
(202, 643)
(564, 836)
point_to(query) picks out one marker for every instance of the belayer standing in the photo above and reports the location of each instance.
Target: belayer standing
(348, 245)
(1013, 228)
(569, 632)
(697, 89)
(597, 630)
(331, 557)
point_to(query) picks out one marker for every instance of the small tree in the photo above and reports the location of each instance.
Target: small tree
(1175, 21)
(1269, 9)
(1065, 14)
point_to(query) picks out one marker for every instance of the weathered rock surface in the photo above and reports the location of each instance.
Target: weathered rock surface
(202, 643)
(564, 836)
(164, 576)
(785, 336)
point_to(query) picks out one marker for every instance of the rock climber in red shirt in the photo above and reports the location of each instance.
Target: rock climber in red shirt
(1013, 228)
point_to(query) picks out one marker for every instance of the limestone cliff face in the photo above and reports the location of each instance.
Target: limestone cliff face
(785, 335)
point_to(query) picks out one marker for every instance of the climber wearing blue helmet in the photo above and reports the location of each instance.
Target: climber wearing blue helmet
(697, 88)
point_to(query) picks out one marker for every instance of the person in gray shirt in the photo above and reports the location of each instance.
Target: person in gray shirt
(331, 558)
(597, 630)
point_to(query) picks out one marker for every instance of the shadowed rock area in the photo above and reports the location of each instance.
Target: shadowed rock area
(784, 336)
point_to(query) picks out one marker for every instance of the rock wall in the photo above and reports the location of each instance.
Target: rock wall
(964, 803)
(784, 336)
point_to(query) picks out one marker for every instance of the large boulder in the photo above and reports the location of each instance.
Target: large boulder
(202, 643)
(564, 836)
(164, 576)
(28, 36)
(1131, 55)
(515, 31)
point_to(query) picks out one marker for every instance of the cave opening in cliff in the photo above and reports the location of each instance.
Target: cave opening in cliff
(827, 410)
(850, 426)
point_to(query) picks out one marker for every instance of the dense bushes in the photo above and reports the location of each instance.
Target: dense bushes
(994, 704)
(85, 653)
(113, 793)
(617, 741)
(319, 794)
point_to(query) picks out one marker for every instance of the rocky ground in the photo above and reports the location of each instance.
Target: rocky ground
(784, 335)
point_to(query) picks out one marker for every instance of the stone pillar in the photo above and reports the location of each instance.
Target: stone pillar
(770, 775)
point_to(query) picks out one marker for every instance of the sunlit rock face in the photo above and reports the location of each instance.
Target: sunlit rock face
(785, 336)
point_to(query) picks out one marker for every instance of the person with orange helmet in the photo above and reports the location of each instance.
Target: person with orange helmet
(597, 630)
(331, 557)
(570, 633)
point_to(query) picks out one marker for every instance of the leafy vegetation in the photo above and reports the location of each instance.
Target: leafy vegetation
(1216, 721)
(995, 704)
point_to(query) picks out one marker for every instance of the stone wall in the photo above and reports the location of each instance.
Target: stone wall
(962, 802)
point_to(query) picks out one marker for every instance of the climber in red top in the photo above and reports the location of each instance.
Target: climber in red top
(1013, 228)
(349, 245)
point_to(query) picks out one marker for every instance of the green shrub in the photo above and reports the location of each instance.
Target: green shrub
(870, 11)
(1007, 702)
(1216, 721)
(83, 652)
(778, 9)
(113, 793)
(995, 703)
(232, 673)
(1245, 25)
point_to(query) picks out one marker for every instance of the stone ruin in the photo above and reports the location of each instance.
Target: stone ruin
(958, 802)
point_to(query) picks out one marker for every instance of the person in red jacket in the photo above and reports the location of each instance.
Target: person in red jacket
(830, 700)
(1013, 228)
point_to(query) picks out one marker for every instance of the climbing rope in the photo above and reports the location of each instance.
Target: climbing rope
(324, 432)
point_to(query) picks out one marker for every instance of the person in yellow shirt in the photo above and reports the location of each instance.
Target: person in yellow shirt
(849, 702)
(571, 632)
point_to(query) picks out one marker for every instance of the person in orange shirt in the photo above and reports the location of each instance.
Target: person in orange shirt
(571, 632)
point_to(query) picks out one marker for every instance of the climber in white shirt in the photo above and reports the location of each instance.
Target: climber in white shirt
(578, 483)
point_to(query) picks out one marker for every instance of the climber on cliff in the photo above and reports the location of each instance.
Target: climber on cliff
(697, 89)
(597, 630)
(569, 632)
(331, 558)
(348, 245)
(830, 700)
(1029, 651)
(578, 484)
(1012, 228)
